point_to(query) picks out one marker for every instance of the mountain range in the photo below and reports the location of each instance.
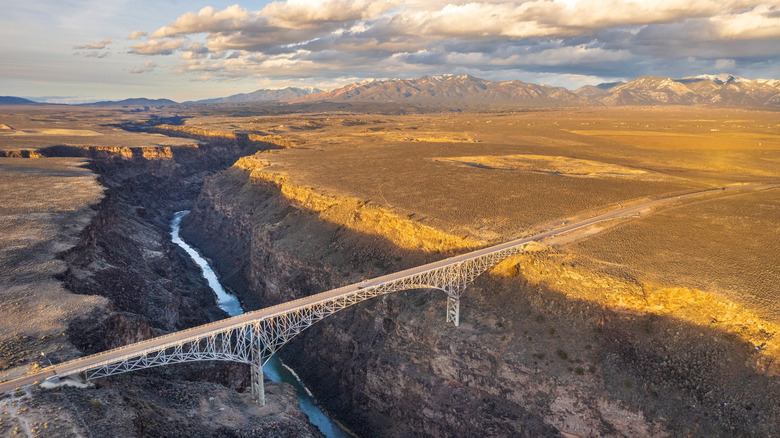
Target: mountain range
(135, 101)
(264, 95)
(11, 100)
(720, 90)
(451, 90)
(465, 91)
(468, 91)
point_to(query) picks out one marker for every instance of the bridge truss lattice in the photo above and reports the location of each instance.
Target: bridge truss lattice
(254, 341)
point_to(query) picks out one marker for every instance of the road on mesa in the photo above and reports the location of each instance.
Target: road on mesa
(176, 338)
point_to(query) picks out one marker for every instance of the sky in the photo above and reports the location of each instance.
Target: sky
(85, 50)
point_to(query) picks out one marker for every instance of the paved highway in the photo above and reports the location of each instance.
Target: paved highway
(172, 339)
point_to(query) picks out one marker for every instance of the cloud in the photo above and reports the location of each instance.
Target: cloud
(158, 47)
(148, 66)
(195, 51)
(761, 22)
(207, 20)
(292, 14)
(96, 50)
(96, 46)
(712, 37)
(583, 38)
(296, 14)
(93, 54)
(543, 18)
(725, 64)
(137, 34)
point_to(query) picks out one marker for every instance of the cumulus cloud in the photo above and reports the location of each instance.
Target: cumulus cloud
(207, 19)
(137, 35)
(583, 38)
(158, 47)
(312, 13)
(95, 50)
(96, 46)
(761, 22)
(195, 51)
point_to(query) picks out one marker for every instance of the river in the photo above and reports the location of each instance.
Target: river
(274, 368)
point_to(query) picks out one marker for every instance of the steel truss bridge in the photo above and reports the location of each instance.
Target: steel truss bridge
(253, 337)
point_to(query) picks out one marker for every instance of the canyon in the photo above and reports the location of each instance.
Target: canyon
(119, 257)
(530, 360)
(551, 343)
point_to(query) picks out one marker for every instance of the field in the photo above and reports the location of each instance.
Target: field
(43, 206)
(727, 246)
(35, 128)
(488, 177)
(492, 177)
(497, 176)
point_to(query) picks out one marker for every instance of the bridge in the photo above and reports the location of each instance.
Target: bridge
(253, 337)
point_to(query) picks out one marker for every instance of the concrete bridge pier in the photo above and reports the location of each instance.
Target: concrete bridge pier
(258, 387)
(256, 368)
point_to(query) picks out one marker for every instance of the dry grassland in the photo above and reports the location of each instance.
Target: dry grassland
(491, 177)
(712, 144)
(619, 288)
(43, 205)
(35, 128)
(556, 165)
(357, 215)
(671, 141)
(726, 245)
(488, 176)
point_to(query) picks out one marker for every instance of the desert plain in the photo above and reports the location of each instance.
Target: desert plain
(652, 294)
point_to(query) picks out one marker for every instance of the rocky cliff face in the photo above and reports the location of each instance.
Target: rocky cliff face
(125, 255)
(280, 239)
(531, 357)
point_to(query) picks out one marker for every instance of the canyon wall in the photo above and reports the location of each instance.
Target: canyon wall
(125, 254)
(536, 354)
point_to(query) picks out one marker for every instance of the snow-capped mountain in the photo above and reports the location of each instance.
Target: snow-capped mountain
(722, 90)
(451, 90)
(470, 92)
